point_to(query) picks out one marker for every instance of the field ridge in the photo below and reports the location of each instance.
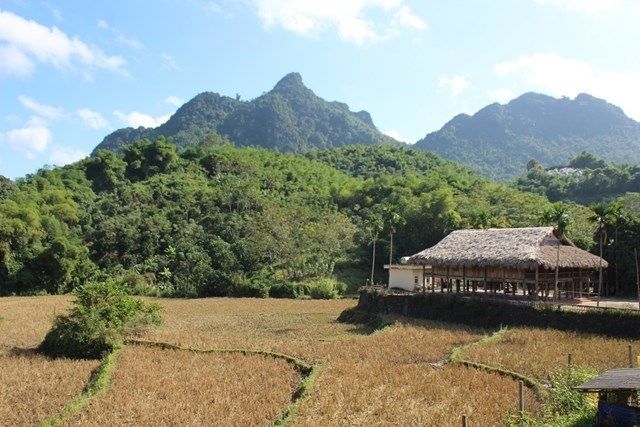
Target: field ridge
(98, 384)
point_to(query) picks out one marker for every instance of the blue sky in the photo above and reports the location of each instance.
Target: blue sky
(72, 72)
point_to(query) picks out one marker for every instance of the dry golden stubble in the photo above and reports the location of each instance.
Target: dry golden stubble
(154, 387)
(302, 328)
(382, 394)
(249, 323)
(535, 352)
(26, 320)
(34, 388)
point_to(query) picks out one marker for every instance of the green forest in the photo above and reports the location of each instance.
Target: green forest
(218, 220)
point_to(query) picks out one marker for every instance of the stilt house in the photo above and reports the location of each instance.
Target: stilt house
(510, 259)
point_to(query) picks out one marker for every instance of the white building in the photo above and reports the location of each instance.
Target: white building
(408, 277)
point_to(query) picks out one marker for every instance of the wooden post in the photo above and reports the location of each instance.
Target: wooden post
(485, 280)
(569, 361)
(464, 421)
(581, 284)
(521, 407)
(630, 356)
(433, 280)
(464, 279)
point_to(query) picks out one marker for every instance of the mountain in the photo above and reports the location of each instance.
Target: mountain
(289, 118)
(499, 140)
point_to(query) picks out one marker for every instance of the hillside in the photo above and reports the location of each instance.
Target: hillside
(222, 220)
(499, 140)
(290, 118)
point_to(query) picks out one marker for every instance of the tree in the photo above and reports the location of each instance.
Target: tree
(618, 217)
(558, 216)
(146, 158)
(6, 187)
(393, 219)
(374, 224)
(601, 216)
(105, 170)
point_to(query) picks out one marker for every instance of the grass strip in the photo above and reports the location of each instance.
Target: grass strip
(98, 384)
(308, 372)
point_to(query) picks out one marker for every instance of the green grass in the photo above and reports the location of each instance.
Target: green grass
(98, 384)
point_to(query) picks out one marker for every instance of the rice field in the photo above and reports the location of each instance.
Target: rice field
(397, 376)
(548, 351)
(185, 388)
(34, 388)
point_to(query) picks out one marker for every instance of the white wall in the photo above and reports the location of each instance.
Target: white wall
(404, 278)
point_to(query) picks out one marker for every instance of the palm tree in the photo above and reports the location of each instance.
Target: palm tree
(559, 218)
(393, 218)
(374, 225)
(601, 216)
(618, 217)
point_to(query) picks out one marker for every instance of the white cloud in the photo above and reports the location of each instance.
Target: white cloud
(169, 62)
(586, 6)
(347, 16)
(174, 100)
(14, 61)
(61, 156)
(212, 8)
(29, 140)
(92, 119)
(559, 76)
(43, 110)
(136, 119)
(501, 95)
(457, 84)
(24, 43)
(120, 36)
(397, 136)
(407, 19)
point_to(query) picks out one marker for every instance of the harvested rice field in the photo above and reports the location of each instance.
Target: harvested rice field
(256, 362)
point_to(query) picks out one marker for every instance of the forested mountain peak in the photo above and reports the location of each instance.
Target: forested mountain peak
(500, 139)
(290, 82)
(290, 117)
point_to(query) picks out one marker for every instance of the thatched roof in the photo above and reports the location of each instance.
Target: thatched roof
(506, 247)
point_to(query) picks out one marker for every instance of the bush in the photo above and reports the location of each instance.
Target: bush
(245, 288)
(289, 290)
(564, 398)
(138, 284)
(101, 315)
(326, 289)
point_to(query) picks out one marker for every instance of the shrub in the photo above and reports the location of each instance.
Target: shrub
(289, 290)
(326, 289)
(564, 398)
(243, 287)
(138, 284)
(95, 325)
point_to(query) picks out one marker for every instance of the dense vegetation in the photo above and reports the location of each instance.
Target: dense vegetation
(220, 220)
(290, 118)
(101, 315)
(499, 140)
(586, 179)
(612, 191)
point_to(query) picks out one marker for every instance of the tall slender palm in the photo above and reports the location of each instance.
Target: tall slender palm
(559, 218)
(618, 218)
(374, 224)
(392, 217)
(601, 216)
